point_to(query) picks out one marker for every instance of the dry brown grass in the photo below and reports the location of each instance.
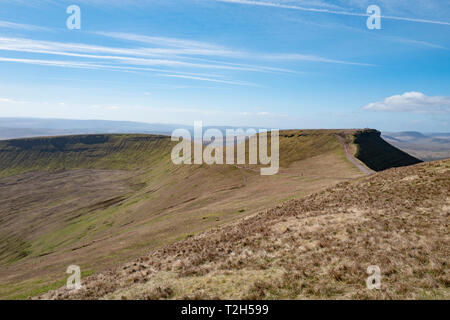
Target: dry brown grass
(316, 247)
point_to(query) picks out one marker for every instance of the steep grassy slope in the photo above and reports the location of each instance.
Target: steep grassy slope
(84, 151)
(379, 155)
(98, 200)
(316, 247)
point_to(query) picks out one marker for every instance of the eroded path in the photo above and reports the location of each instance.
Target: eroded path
(352, 159)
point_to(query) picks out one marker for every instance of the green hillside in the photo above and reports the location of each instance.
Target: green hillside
(84, 151)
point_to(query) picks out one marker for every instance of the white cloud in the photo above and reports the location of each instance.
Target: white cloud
(159, 56)
(311, 58)
(241, 83)
(168, 57)
(319, 10)
(166, 42)
(412, 102)
(263, 114)
(11, 101)
(416, 42)
(117, 54)
(21, 26)
(112, 108)
(83, 65)
(190, 47)
(66, 64)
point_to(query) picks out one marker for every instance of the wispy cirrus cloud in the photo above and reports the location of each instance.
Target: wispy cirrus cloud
(87, 65)
(84, 65)
(364, 32)
(242, 83)
(21, 26)
(415, 42)
(163, 41)
(189, 47)
(416, 102)
(122, 55)
(180, 57)
(310, 58)
(18, 44)
(55, 63)
(322, 10)
(168, 57)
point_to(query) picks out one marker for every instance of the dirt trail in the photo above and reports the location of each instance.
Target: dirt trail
(352, 159)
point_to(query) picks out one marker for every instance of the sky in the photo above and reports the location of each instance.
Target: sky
(281, 64)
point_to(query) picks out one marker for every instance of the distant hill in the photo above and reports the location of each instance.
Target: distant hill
(425, 146)
(16, 128)
(12, 128)
(410, 135)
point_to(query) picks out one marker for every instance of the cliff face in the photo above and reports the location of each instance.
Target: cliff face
(379, 155)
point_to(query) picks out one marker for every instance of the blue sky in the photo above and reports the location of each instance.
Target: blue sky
(280, 64)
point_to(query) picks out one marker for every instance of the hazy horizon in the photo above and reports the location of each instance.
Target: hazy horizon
(39, 123)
